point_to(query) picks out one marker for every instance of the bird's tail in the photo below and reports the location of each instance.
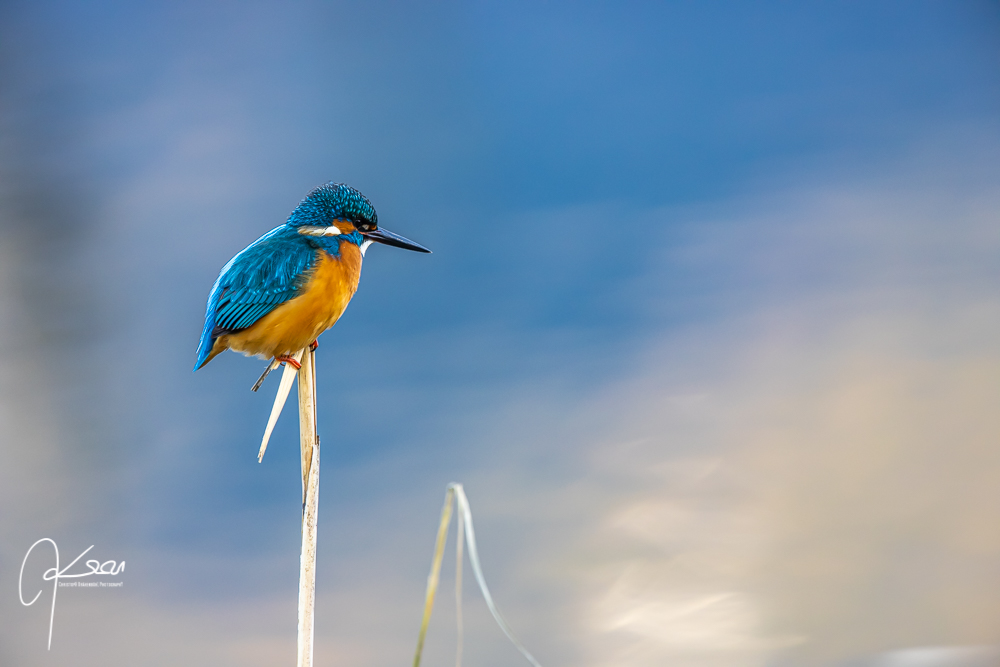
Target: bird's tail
(207, 342)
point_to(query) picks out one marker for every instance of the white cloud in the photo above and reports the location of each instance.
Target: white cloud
(812, 475)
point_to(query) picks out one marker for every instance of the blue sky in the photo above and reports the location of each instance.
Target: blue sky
(708, 332)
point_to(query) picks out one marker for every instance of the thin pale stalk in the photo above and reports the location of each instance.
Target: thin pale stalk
(279, 402)
(459, 544)
(267, 371)
(308, 432)
(470, 534)
(309, 442)
(432, 579)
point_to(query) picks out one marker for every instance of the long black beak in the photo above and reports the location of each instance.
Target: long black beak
(388, 238)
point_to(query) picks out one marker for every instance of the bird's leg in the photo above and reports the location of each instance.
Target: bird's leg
(313, 345)
(287, 359)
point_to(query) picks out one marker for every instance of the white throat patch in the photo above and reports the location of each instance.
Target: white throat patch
(364, 246)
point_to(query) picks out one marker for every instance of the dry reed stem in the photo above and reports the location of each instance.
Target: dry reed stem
(309, 441)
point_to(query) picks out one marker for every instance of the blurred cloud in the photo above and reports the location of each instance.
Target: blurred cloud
(930, 656)
(810, 475)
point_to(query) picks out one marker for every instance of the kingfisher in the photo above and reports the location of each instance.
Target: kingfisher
(282, 291)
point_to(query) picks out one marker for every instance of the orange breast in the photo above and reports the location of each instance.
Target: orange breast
(296, 323)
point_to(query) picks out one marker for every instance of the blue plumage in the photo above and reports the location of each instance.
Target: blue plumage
(270, 271)
(334, 201)
(275, 267)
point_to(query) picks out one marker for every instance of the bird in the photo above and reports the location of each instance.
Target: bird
(277, 295)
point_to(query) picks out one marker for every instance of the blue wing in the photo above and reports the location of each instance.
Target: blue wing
(267, 273)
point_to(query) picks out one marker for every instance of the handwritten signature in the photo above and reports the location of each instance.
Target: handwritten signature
(54, 574)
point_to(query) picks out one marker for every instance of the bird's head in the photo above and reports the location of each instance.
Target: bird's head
(336, 209)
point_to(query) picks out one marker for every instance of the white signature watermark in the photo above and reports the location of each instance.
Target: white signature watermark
(54, 574)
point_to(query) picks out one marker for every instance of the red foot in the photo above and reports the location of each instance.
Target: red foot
(313, 345)
(289, 360)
